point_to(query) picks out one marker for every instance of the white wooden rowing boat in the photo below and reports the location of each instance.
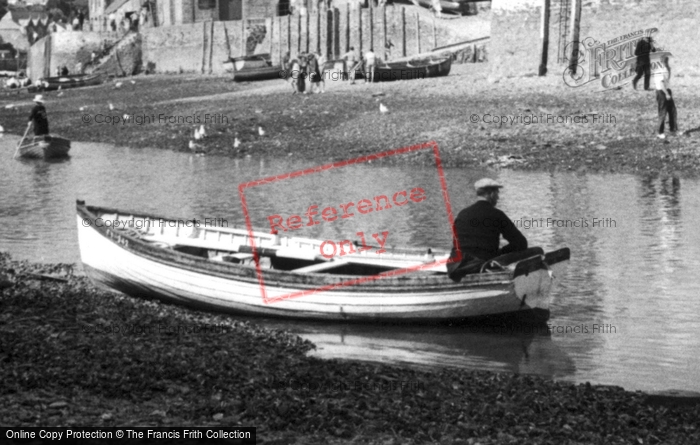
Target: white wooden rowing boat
(215, 268)
(45, 146)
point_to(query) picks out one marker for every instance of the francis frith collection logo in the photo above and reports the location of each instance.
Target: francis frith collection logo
(614, 63)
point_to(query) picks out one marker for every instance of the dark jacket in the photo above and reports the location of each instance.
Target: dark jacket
(41, 121)
(478, 229)
(644, 47)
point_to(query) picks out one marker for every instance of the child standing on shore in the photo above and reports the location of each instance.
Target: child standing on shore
(664, 98)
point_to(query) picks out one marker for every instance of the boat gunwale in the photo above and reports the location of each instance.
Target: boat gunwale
(276, 278)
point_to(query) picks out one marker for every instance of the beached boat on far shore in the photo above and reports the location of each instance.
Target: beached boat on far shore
(413, 69)
(215, 268)
(72, 81)
(252, 68)
(46, 146)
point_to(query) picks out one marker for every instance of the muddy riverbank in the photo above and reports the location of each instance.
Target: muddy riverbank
(522, 123)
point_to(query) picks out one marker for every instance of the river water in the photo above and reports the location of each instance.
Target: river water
(624, 313)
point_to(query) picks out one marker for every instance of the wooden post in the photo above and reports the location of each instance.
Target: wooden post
(544, 37)
(307, 34)
(371, 24)
(359, 29)
(280, 56)
(403, 31)
(298, 33)
(204, 48)
(289, 34)
(434, 34)
(574, 35)
(211, 47)
(417, 33)
(244, 43)
(347, 27)
(323, 31)
(384, 40)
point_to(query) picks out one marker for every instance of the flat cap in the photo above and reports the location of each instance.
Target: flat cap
(486, 183)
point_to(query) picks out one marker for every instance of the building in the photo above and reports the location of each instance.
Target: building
(179, 12)
(13, 27)
(26, 3)
(176, 12)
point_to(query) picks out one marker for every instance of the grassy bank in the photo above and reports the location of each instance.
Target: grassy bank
(73, 355)
(345, 121)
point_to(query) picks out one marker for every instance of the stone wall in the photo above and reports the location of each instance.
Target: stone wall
(202, 47)
(515, 30)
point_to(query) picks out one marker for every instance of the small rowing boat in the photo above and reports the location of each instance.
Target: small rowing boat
(248, 62)
(45, 146)
(252, 68)
(413, 69)
(73, 81)
(253, 74)
(233, 269)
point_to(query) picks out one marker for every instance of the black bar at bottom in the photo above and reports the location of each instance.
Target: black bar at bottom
(228, 435)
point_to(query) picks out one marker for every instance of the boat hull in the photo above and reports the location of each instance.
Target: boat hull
(127, 264)
(414, 69)
(63, 82)
(46, 147)
(253, 74)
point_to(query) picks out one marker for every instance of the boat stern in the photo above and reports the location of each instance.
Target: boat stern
(533, 279)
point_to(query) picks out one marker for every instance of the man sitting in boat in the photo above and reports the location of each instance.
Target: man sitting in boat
(479, 228)
(38, 117)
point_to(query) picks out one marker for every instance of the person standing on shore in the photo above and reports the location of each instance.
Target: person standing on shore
(642, 51)
(38, 117)
(479, 228)
(321, 65)
(370, 63)
(664, 98)
(297, 73)
(314, 73)
(350, 64)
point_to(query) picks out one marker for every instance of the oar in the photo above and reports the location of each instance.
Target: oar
(21, 140)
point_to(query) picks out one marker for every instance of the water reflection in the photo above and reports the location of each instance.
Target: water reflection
(636, 271)
(456, 347)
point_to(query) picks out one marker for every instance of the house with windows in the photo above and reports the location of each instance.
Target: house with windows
(23, 26)
(176, 12)
(179, 12)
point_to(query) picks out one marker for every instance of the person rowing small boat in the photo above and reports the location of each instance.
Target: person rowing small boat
(42, 145)
(38, 117)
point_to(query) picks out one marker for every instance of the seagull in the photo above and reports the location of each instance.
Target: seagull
(82, 108)
(111, 107)
(59, 88)
(236, 143)
(118, 85)
(197, 134)
(2, 129)
(60, 94)
(195, 147)
(9, 107)
(126, 117)
(261, 132)
(133, 82)
(202, 132)
(383, 108)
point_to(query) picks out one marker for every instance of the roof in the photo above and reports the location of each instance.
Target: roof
(23, 15)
